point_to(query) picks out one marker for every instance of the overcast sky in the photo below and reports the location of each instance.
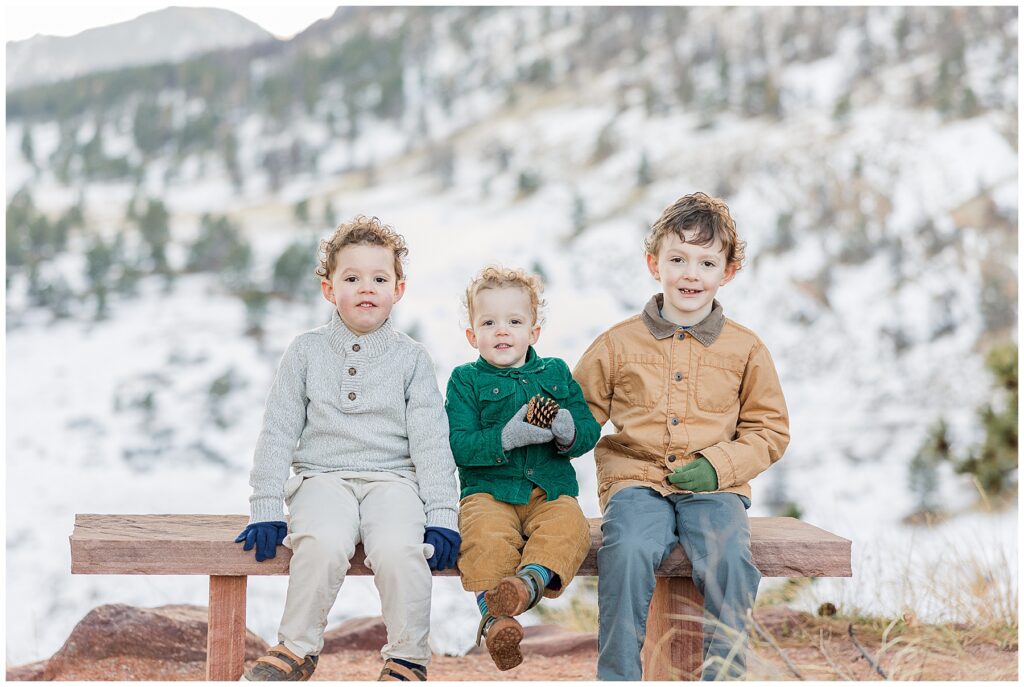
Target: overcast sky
(23, 20)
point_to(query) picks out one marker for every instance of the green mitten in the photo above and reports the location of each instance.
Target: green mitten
(697, 476)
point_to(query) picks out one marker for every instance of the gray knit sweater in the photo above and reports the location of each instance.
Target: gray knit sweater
(348, 403)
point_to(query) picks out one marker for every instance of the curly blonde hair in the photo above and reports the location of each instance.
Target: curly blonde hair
(361, 231)
(494, 277)
(708, 216)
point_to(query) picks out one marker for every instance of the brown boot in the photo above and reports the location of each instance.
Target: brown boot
(503, 638)
(281, 665)
(514, 595)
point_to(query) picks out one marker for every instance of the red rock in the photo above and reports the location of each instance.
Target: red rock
(781, 621)
(171, 638)
(357, 634)
(30, 672)
(552, 640)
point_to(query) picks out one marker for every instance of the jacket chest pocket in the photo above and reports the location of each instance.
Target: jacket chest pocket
(559, 391)
(496, 401)
(718, 382)
(641, 379)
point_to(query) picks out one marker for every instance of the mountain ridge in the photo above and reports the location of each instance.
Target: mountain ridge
(168, 35)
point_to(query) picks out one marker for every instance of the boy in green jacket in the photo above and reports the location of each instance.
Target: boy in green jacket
(523, 533)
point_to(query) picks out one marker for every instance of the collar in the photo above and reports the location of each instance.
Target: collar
(374, 344)
(706, 331)
(533, 363)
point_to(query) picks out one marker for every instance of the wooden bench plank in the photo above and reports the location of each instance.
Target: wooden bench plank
(131, 544)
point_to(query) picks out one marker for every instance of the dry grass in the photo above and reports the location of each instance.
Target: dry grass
(791, 645)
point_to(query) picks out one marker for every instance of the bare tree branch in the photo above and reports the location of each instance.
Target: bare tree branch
(871, 661)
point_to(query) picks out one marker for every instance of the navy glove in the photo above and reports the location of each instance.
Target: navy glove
(266, 536)
(446, 545)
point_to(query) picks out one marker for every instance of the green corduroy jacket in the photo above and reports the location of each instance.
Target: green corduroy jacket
(482, 398)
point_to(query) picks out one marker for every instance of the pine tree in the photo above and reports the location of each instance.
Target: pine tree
(27, 149)
(922, 472)
(220, 247)
(231, 161)
(294, 268)
(330, 214)
(99, 259)
(579, 214)
(994, 463)
(643, 172)
(256, 301)
(154, 225)
(301, 211)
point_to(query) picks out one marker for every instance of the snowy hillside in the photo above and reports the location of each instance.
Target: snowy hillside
(169, 35)
(878, 199)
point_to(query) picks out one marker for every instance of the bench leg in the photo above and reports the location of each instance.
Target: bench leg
(225, 639)
(674, 647)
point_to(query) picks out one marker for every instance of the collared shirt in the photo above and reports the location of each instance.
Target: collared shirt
(672, 393)
(482, 398)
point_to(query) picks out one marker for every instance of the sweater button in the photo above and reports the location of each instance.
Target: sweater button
(351, 395)
(356, 347)
(675, 421)
(352, 370)
(672, 458)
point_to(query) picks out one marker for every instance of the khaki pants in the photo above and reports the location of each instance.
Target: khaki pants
(499, 539)
(329, 516)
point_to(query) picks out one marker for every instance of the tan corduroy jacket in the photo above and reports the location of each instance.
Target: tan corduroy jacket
(670, 395)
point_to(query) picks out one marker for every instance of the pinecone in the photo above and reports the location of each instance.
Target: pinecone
(541, 411)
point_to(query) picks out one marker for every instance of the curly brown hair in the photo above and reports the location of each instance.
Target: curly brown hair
(706, 215)
(495, 277)
(361, 231)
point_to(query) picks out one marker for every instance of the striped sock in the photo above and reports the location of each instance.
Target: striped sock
(545, 574)
(481, 603)
(409, 664)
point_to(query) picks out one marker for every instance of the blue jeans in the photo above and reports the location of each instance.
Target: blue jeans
(641, 527)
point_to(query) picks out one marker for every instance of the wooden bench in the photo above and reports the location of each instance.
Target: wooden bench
(204, 545)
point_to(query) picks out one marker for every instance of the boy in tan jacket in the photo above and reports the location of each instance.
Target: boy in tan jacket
(698, 412)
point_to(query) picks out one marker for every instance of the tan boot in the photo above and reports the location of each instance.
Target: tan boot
(513, 595)
(503, 638)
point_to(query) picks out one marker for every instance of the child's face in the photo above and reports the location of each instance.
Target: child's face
(503, 328)
(363, 286)
(690, 276)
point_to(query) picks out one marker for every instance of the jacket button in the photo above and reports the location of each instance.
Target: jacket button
(675, 421)
(679, 376)
(529, 472)
(495, 389)
(524, 381)
(351, 395)
(356, 347)
(351, 370)
(672, 458)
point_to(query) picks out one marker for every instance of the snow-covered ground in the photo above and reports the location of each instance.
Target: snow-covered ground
(119, 415)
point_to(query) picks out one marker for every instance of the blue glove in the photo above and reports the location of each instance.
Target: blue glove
(446, 545)
(266, 536)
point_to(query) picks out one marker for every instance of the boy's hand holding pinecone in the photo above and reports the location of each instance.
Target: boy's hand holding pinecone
(544, 412)
(518, 432)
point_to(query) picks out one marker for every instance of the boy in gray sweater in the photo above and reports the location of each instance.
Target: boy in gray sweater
(356, 413)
